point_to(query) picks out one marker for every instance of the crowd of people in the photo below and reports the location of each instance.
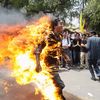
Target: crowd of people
(82, 51)
(74, 46)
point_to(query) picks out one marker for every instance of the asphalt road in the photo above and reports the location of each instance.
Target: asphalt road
(79, 83)
(10, 90)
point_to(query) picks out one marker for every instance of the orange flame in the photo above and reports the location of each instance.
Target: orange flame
(20, 46)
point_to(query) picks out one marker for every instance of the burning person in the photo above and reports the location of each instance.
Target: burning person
(34, 55)
(53, 53)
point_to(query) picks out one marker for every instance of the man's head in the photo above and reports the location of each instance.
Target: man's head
(77, 35)
(65, 30)
(93, 33)
(99, 35)
(57, 25)
(83, 36)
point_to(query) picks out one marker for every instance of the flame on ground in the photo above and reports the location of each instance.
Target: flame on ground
(19, 46)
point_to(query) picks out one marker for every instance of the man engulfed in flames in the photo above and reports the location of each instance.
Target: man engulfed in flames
(34, 54)
(51, 59)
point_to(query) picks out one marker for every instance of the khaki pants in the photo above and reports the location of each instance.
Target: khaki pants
(84, 59)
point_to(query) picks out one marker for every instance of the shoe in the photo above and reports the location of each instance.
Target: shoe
(93, 78)
(81, 68)
(99, 78)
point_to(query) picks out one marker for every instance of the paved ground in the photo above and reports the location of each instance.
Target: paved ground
(79, 83)
(10, 90)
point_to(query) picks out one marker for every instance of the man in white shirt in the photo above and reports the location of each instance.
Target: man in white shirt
(66, 43)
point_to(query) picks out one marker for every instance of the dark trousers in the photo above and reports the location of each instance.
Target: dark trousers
(76, 56)
(59, 83)
(93, 67)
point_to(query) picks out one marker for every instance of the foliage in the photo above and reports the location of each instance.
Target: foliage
(58, 8)
(92, 14)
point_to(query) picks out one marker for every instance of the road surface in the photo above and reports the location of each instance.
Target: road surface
(79, 83)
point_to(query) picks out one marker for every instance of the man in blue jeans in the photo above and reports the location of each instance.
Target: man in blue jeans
(93, 45)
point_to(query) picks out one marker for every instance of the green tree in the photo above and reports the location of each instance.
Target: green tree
(92, 15)
(14, 3)
(58, 8)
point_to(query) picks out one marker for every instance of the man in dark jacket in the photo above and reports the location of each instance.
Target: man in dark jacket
(93, 45)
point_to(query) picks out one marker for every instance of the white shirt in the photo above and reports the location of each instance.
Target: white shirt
(66, 42)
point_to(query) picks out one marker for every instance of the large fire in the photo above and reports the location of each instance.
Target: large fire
(19, 43)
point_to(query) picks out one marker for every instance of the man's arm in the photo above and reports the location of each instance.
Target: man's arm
(37, 54)
(88, 43)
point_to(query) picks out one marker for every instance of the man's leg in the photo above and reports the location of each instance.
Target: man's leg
(74, 56)
(86, 60)
(91, 69)
(77, 57)
(81, 59)
(96, 68)
(60, 84)
(63, 58)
